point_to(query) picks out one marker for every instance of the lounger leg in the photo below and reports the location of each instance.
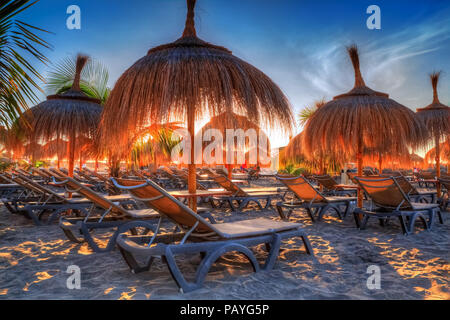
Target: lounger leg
(403, 224)
(133, 264)
(273, 253)
(438, 211)
(310, 213)
(347, 208)
(279, 207)
(212, 256)
(357, 219)
(364, 221)
(307, 244)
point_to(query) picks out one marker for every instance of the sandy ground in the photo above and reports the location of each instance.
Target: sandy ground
(34, 262)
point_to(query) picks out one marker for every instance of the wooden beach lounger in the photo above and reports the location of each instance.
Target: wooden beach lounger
(106, 212)
(332, 188)
(244, 196)
(312, 200)
(391, 201)
(444, 199)
(109, 187)
(416, 195)
(198, 236)
(36, 200)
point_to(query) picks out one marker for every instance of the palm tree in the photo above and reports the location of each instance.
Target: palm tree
(159, 145)
(93, 82)
(17, 76)
(306, 113)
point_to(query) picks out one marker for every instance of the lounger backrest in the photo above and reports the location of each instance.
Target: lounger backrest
(47, 172)
(426, 175)
(157, 198)
(15, 179)
(41, 188)
(185, 177)
(445, 182)
(74, 186)
(326, 181)
(41, 173)
(228, 185)
(406, 186)
(97, 175)
(302, 188)
(384, 192)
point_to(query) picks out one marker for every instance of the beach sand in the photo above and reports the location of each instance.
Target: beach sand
(34, 262)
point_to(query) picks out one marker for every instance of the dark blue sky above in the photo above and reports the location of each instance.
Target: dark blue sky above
(299, 44)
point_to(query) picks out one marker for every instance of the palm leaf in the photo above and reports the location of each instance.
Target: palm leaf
(94, 78)
(18, 78)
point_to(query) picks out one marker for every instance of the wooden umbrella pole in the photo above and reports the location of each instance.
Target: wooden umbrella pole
(438, 165)
(360, 163)
(230, 171)
(192, 181)
(71, 154)
(380, 163)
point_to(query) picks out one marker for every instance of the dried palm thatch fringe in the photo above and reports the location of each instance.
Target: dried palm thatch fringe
(190, 74)
(444, 153)
(71, 115)
(295, 149)
(436, 116)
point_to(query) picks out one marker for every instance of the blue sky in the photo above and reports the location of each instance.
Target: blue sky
(300, 44)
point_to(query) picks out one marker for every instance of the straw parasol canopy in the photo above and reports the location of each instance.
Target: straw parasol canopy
(362, 118)
(436, 117)
(444, 153)
(294, 151)
(382, 160)
(187, 80)
(71, 115)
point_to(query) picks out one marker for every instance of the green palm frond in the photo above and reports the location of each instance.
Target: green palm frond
(167, 141)
(18, 78)
(94, 78)
(306, 113)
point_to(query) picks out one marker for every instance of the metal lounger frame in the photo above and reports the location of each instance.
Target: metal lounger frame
(211, 248)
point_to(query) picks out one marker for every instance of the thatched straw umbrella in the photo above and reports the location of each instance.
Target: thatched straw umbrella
(233, 121)
(415, 159)
(71, 115)
(186, 80)
(362, 118)
(444, 154)
(436, 117)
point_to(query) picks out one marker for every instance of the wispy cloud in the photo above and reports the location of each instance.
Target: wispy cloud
(390, 64)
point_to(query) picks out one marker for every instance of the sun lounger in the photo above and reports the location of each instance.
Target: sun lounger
(37, 200)
(106, 212)
(416, 195)
(390, 201)
(198, 236)
(243, 196)
(109, 187)
(331, 187)
(312, 200)
(444, 199)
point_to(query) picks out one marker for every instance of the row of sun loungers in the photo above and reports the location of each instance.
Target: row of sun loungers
(137, 206)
